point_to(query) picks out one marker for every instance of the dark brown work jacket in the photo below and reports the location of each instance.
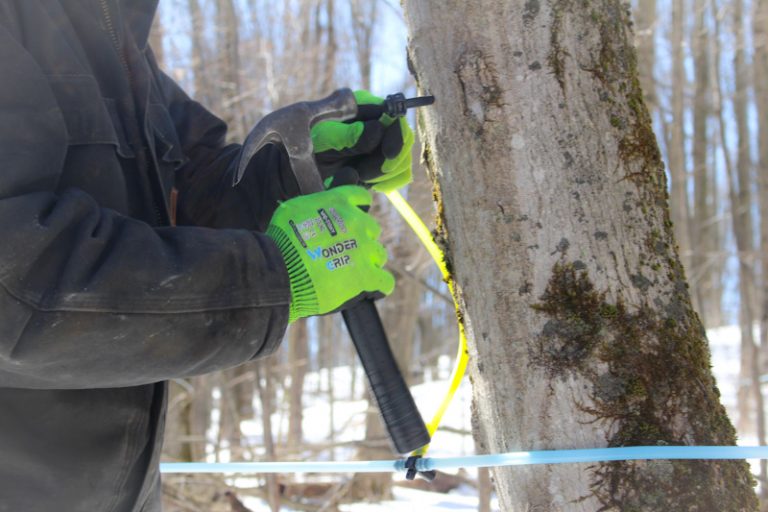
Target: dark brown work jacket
(101, 300)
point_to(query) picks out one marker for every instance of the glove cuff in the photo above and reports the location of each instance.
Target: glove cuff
(303, 297)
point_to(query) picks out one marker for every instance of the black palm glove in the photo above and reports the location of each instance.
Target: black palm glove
(377, 146)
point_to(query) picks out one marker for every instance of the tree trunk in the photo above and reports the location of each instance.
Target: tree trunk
(200, 415)
(228, 60)
(484, 490)
(176, 445)
(760, 75)
(203, 91)
(760, 84)
(741, 208)
(363, 14)
(678, 202)
(262, 369)
(156, 38)
(328, 346)
(704, 232)
(298, 359)
(645, 19)
(554, 215)
(331, 49)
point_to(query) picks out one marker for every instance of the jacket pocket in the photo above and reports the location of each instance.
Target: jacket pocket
(167, 144)
(89, 120)
(168, 152)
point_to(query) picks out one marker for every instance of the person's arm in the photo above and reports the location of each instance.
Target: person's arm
(90, 298)
(206, 196)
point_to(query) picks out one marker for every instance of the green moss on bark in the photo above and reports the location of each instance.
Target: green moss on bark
(615, 67)
(557, 54)
(440, 235)
(651, 385)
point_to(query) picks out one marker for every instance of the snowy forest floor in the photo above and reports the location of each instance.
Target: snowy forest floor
(449, 441)
(452, 440)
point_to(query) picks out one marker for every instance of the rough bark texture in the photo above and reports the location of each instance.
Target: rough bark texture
(554, 215)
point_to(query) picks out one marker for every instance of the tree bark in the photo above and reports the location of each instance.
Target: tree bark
(705, 239)
(298, 360)
(328, 345)
(678, 202)
(331, 49)
(741, 208)
(156, 38)
(363, 14)
(553, 212)
(176, 445)
(484, 490)
(228, 60)
(262, 370)
(646, 21)
(203, 90)
(760, 84)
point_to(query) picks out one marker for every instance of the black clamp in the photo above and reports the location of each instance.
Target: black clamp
(411, 471)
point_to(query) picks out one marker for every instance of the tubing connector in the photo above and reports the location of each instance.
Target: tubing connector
(396, 105)
(411, 471)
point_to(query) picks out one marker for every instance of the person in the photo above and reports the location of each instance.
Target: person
(102, 299)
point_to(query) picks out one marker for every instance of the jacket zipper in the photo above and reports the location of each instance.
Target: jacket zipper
(115, 39)
(159, 218)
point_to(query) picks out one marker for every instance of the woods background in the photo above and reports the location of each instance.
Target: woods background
(703, 66)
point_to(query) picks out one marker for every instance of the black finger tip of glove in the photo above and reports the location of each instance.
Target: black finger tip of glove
(369, 112)
(392, 141)
(345, 176)
(371, 138)
(369, 166)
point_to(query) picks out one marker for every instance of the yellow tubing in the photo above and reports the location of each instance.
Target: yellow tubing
(460, 366)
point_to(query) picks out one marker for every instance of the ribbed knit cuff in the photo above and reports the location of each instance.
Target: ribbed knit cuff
(303, 297)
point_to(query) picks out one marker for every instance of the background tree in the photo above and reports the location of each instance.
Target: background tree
(760, 86)
(287, 51)
(546, 157)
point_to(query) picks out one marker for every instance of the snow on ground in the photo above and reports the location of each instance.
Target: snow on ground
(349, 420)
(406, 500)
(725, 344)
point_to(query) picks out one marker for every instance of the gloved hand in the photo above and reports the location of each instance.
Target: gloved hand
(331, 250)
(374, 144)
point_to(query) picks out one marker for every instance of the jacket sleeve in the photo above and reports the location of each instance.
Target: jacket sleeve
(206, 195)
(90, 298)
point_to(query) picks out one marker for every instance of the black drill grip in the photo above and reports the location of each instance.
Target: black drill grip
(401, 416)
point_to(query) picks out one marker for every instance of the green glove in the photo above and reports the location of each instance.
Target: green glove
(374, 144)
(331, 250)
